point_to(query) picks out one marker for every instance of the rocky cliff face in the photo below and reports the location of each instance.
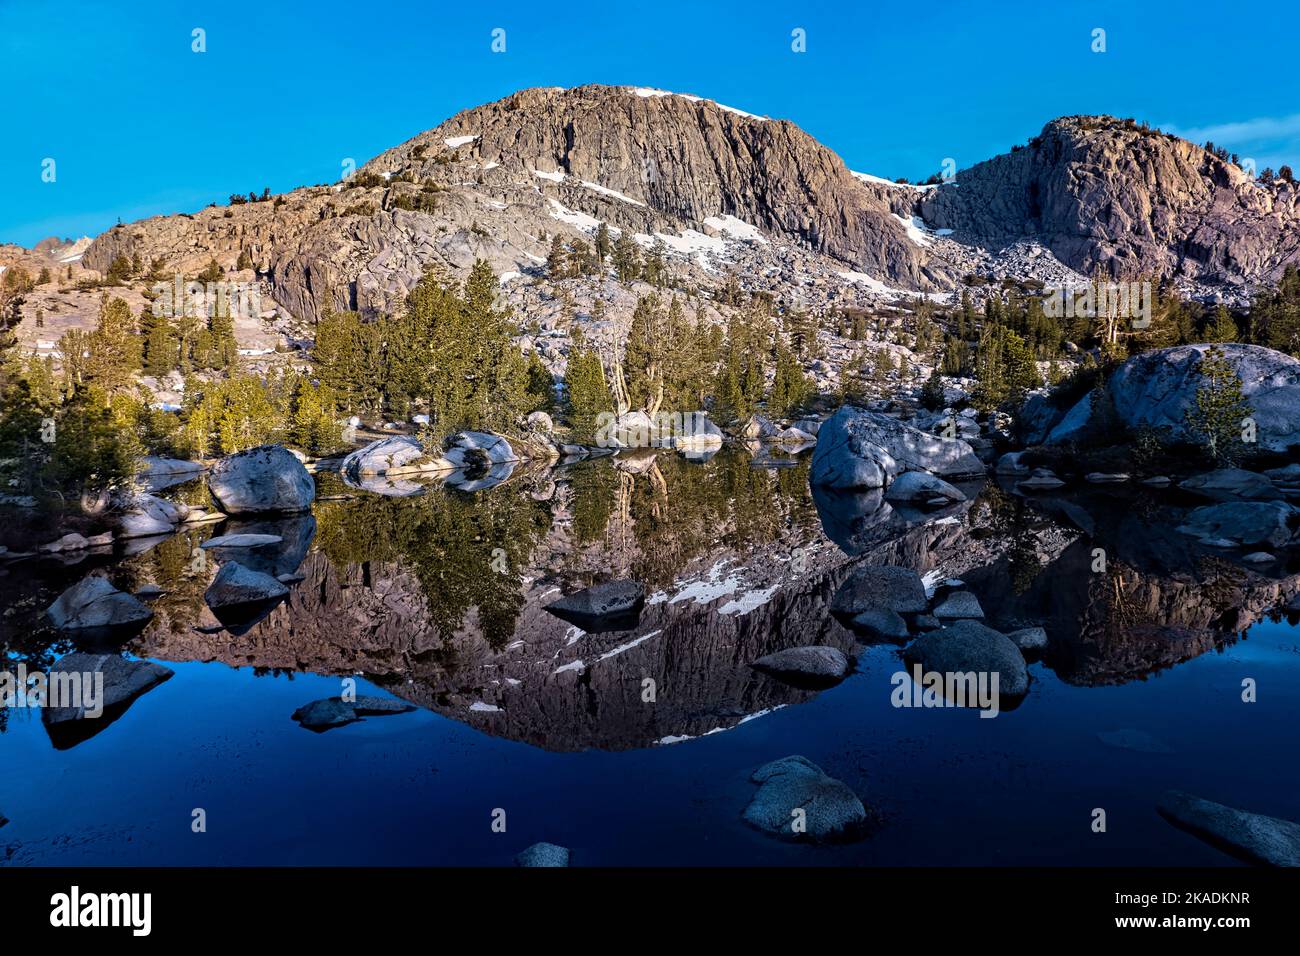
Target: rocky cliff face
(493, 181)
(1105, 193)
(657, 160)
(724, 190)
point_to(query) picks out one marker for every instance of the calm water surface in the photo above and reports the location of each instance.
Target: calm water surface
(436, 595)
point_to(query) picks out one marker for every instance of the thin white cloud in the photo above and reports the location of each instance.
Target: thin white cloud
(1266, 129)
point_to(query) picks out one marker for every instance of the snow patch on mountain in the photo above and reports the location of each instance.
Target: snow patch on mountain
(645, 91)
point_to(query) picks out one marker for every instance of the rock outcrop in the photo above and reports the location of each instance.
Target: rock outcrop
(1106, 193)
(94, 603)
(861, 449)
(798, 801)
(268, 478)
(1156, 389)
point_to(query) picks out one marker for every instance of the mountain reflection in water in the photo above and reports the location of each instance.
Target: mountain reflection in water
(438, 595)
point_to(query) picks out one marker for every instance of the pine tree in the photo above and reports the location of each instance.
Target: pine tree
(644, 356)
(348, 356)
(114, 347)
(313, 417)
(790, 387)
(541, 384)
(626, 258)
(1220, 410)
(932, 394)
(89, 453)
(161, 348)
(603, 245)
(557, 260)
(1223, 328)
(586, 391)
(225, 350)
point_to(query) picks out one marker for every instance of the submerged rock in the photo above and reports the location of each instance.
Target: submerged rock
(93, 602)
(241, 541)
(1249, 836)
(326, 713)
(69, 542)
(330, 712)
(1029, 638)
(813, 664)
(123, 681)
(880, 586)
(611, 606)
(237, 585)
(268, 478)
(542, 855)
(1135, 740)
(920, 486)
(968, 646)
(830, 810)
(1232, 484)
(880, 623)
(1248, 523)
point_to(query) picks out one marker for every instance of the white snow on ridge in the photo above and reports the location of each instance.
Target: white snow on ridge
(555, 177)
(580, 219)
(915, 228)
(456, 141)
(918, 231)
(627, 647)
(931, 580)
(881, 181)
(875, 285)
(871, 282)
(606, 191)
(749, 601)
(736, 228)
(688, 243)
(649, 92)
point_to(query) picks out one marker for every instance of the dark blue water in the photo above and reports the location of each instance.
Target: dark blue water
(424, 787)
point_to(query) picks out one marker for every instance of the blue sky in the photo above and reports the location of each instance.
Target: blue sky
(138, 124)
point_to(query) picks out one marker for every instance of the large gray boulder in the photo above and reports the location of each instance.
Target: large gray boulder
(610, 606)
(148, 515)
(123, 681)
(1250, 836)
(398, 455)
(699, 432)
(236, 585)
(474, 449)
(1157, 388)
(268, 478)
(969, 646)
(1232, 484)
(93, 602)
(861, 449)
(815, 664)
(543, 855)
(827, 809)
(1244, 523)
(872, 586)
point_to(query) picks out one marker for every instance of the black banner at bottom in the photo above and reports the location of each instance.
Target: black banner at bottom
(208, 905)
